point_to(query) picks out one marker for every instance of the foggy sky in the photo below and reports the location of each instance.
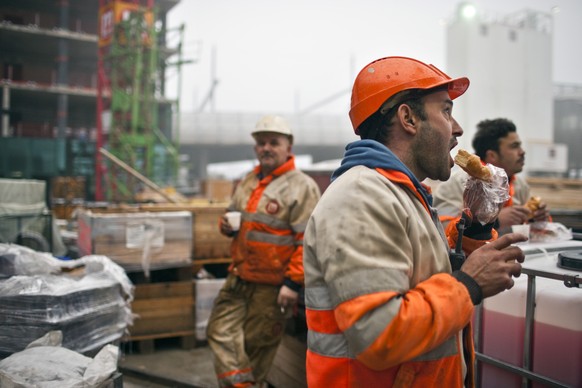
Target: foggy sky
(288, 56)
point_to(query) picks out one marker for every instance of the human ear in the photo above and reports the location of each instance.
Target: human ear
(491, 156)
(407, 119)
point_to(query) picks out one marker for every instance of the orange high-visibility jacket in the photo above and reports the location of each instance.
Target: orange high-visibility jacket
(383, 309)
(275, 210)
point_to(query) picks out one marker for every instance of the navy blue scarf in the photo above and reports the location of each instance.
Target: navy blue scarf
(374, 155)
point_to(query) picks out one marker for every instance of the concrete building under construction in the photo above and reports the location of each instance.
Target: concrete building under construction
(65, 90)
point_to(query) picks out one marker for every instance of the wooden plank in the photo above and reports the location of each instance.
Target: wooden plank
(163, 275)
(162, 290)
(136, 174)
(159, 335)
(558, 193)
(163, 324)
(174, 253)
(162, 305)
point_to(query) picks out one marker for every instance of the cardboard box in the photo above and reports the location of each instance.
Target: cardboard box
(68, 188)
(138, 240)
(217, 190)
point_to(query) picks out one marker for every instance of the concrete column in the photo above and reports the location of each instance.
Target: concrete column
(63, 71)
(5, 111)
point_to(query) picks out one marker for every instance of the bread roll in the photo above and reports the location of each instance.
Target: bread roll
(472, 165)
(533, 204)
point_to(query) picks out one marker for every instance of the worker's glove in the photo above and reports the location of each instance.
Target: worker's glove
(483, 200)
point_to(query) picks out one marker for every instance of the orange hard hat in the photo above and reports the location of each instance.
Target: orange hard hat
(385, 77)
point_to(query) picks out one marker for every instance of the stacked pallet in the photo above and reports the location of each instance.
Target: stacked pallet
(209, 246)
(207, 241)
(175, 240)
(67, 194)
(164, 307)
(558, 193)
(563, 197)
(137, 241)
(154, 249)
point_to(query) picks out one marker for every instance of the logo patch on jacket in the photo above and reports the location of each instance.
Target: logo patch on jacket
(272, 207)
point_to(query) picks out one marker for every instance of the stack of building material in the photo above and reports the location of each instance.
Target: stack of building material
(67, 194)
(164, 307)
(137, 241)
(160, 246)
(207, 241)
(563, 197)
(558, 193)
(87, 299)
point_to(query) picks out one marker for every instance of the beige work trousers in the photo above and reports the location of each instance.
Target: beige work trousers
(244, 330)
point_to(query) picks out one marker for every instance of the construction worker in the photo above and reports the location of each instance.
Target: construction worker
(384, 305)
(496, 142)
(266, 274)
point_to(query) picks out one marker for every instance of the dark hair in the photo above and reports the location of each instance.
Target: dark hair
(488, 134)
(377, 126)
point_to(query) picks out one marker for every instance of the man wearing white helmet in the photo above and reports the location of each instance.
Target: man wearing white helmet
(266, 274)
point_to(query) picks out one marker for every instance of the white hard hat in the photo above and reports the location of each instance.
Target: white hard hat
(273, 123)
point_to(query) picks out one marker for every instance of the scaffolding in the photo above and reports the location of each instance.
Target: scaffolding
(130, 86)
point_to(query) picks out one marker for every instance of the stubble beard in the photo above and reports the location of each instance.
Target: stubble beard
(425, 149)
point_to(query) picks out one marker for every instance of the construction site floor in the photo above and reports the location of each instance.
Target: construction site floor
(169, 367)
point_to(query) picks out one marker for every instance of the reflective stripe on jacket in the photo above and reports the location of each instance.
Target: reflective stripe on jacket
(382, 307)
(275, 210)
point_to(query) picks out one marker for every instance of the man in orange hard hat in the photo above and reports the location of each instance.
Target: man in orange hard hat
(387, 301)
(266, 274)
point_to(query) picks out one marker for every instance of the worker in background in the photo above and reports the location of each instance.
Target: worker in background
(266, 274)
(384, 306)
(495, 142)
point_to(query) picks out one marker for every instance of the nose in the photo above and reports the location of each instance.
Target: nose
(457, 130)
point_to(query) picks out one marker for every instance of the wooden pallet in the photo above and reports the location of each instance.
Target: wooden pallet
(558, 193)
(165, 307)
(175, 274)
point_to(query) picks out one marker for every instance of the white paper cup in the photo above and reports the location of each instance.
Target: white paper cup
(521, 229)
(234, 220)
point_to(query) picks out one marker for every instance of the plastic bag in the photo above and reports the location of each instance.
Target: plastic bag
(45, 363)
(543, 231)
(482, 200)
